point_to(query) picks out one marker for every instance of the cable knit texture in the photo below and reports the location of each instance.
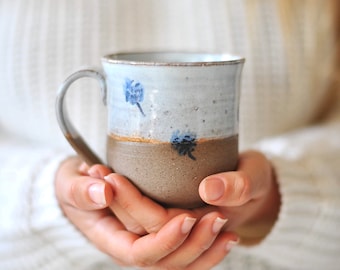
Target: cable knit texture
(286, 83)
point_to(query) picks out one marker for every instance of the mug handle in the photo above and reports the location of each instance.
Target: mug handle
(69, 131)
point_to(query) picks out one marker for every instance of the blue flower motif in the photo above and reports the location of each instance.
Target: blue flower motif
(134, 93)
(184, 143)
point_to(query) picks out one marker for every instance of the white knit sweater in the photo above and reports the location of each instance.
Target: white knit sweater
(285, 84)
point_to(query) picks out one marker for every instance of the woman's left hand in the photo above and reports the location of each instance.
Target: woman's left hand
(248, 197)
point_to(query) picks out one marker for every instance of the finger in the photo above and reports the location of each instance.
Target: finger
(131, 249)
(98, 171)
(238, 187)
(216, 253)
(137, 209)
(130, 223)
(87, 193)
(150, 249)
(201, 238)
(81, 192)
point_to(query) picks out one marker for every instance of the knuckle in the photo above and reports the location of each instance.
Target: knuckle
(127, 205)
(202, 248)
(154, 227)
(141, 261)
(136, 229)
(168, 247)
(156, 222)
(243, 188)
(72, 195)
(78, 196)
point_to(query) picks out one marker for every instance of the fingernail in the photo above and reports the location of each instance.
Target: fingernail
(187, 225)
(97, 193)
(231, 244)
(213, 189)
(218, 224)
(110, 179)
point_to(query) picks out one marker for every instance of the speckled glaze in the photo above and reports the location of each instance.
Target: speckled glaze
(166, 109)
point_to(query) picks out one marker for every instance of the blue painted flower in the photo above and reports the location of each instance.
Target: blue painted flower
(184, 143)
(134, 93)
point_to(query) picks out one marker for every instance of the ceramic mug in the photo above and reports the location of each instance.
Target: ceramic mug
(172, 120)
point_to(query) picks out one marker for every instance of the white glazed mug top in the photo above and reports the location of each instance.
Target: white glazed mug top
(154, 96)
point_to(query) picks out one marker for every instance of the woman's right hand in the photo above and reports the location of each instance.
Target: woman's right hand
(145, 234)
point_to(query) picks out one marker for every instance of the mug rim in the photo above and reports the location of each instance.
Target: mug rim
(145, 58)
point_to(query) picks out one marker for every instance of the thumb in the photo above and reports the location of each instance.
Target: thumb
(226, 189)
(235, 188)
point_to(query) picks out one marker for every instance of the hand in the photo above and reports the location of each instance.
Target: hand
(249, 197)
(175, 242)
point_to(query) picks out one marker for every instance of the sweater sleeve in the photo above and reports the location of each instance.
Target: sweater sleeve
(34, 234)
(306, 234)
